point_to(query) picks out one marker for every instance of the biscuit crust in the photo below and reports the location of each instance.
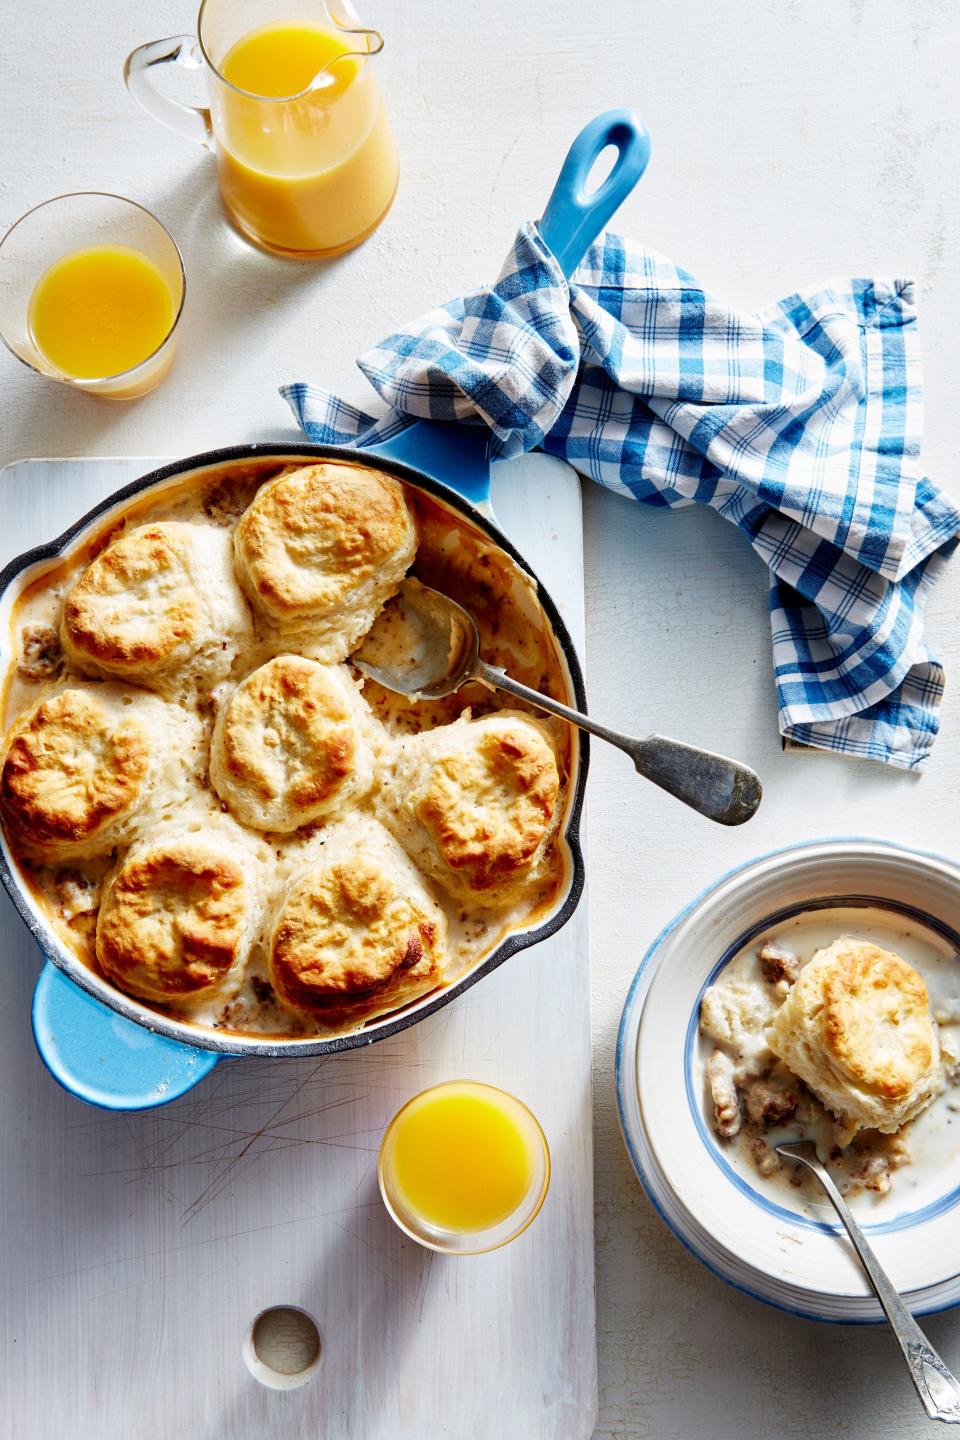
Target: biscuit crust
(856, 1028)
(174, 920)
(876, 1020)
(285, 746)
(159, 602)
(489, 812)
(475, 803)
(347, 929)
(134, 606)
(71, 770)
(322, 538)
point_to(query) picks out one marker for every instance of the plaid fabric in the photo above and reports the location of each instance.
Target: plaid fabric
(801, 425)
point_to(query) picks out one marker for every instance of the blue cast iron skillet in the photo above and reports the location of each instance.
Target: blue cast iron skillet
(105, 1047)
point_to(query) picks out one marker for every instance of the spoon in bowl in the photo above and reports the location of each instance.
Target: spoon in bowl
(938, 1389)
(427, 646)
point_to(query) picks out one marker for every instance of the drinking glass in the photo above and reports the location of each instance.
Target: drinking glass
(467, 1241)
(72, 222)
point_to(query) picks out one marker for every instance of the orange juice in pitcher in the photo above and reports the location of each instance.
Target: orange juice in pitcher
(305, 154)
(322, 174)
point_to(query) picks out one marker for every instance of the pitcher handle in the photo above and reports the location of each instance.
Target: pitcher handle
(184, 50)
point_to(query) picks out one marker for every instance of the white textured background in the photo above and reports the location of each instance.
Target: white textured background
(792, 140)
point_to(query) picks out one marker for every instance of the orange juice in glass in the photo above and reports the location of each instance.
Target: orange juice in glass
(306, 159)
(91, 289)
(464, 1167)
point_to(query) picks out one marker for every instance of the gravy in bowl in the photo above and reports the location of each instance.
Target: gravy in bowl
(750, 1094)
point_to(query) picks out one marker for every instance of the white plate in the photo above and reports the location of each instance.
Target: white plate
(788, 1254)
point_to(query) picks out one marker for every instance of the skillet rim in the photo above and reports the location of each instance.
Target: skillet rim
(512, 944)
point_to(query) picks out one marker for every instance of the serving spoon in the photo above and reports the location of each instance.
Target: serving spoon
(427, 646)
(938, 1389)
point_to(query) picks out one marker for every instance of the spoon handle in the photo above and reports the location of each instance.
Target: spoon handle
(721, 789)
(938, 1389)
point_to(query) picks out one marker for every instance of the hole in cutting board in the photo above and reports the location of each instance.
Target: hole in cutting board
(282, 1347)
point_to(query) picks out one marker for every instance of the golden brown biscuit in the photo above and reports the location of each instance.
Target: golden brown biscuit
(289, 746)
(78, 769)
(178, 917)
(856, 1028)
(475, 803)
(356, 928)
(321, 549)
(161, 606)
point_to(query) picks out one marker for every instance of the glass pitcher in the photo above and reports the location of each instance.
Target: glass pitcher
(305, 153)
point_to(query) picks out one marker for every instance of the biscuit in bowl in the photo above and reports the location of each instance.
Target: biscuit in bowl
(80, 767)
(856, 1028)
(159, 606)
(474, 803)
(179, 916)
(356, 927)
(289, 745)
(321, 549)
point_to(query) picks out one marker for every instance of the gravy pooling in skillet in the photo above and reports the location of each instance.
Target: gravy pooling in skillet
(179, 805)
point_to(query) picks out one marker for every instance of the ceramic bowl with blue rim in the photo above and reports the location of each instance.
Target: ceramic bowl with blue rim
(772, 1239)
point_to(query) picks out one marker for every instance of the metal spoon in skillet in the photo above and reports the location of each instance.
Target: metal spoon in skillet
(939, 1391)
(426, 645)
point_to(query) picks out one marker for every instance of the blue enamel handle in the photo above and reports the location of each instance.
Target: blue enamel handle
(456, 455)
(573, 219)
(105, 1059)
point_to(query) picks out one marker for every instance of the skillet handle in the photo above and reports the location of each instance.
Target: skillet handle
(105, 1059)
(573, 218)
(456, 455)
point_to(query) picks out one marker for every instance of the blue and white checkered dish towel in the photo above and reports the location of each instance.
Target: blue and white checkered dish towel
(800, 424)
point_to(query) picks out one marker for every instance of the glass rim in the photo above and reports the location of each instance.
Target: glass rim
(86, 381)
(529, 1216)
(373, 35)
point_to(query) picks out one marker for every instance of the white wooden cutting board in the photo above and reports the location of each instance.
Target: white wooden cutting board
(135, 1250)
